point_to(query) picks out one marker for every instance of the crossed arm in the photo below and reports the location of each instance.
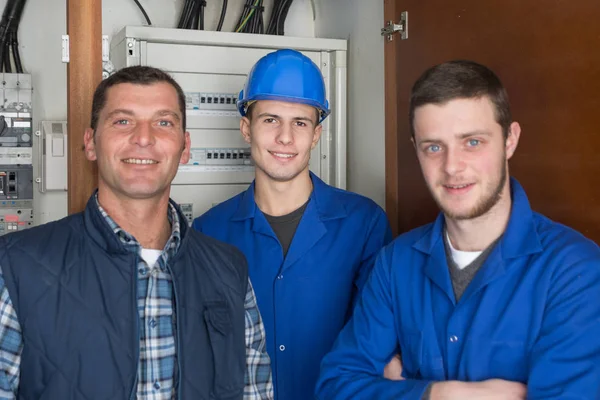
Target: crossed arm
(565, 359)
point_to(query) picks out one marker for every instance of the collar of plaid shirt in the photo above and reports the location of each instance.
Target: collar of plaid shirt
(130, 242)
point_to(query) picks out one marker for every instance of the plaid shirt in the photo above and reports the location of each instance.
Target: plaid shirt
(156, 376)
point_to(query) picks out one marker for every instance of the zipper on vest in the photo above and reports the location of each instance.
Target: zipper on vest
(137, 328)
(178, 386)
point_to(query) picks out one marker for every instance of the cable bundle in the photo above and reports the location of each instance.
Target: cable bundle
(143, 12)
(9, 26)
(192, 15)
(251, 20)
(278, 16)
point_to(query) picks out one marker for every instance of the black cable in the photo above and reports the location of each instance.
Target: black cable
(283, 16)
(14, 43)
(181, 23)
(222, 17)
(7, 65)
(143, 12)
(5, 24)
(194, 16)
(201, 15)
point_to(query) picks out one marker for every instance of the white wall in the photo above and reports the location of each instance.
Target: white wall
(43, 23)
(359, 22)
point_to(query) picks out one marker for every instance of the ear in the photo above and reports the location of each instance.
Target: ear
(245, 129)
(185, 154)
(89, 145)
(316, 136)
(512, 140)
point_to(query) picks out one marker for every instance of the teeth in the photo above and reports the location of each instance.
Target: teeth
(139, 161)
(458, 187)
(283, 155)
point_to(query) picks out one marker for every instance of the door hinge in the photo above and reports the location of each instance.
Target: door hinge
(391, 28)
(65, 48)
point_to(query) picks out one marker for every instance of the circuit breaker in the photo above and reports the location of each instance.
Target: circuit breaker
(16, 170)
(211, 67)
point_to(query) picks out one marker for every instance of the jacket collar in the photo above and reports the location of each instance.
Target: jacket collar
(323, 196)
(519, 239)
(101, 232)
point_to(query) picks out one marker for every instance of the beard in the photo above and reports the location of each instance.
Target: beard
(488, 200)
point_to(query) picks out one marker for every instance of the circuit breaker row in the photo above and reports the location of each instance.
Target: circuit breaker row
(16, 170)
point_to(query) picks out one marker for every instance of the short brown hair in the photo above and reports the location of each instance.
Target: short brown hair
(460, 79)
(137, 75)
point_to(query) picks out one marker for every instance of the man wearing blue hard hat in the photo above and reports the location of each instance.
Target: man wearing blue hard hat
(310, 247)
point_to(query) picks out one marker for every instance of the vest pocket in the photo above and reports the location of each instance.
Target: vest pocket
(229, 371)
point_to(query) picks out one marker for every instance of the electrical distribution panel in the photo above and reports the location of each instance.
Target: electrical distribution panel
(16, 170)
(211, 67)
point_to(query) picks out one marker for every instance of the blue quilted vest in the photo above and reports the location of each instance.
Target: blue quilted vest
(73, 286)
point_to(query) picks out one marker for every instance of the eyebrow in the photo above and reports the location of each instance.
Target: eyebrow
(465, 135)
(131, 113)
(279, 117)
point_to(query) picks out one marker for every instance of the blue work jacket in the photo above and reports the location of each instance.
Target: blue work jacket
(531, 314)
(306, 298)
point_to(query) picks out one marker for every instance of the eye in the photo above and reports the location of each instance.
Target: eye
(434, 148)
(270, 120)
(165, 122)
(301, 123)
(121, 122)
(473, 142)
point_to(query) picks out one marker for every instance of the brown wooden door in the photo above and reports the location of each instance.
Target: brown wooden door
(547, 53)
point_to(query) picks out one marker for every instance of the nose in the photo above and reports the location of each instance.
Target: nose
(143, 134)
(285, 135)
(454, 162)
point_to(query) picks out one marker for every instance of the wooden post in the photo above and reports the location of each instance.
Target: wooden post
(84, 72)
(391, 120)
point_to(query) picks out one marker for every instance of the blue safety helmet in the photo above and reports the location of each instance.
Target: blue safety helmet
(285, 75)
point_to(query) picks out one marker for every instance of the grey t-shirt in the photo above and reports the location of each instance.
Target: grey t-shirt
(285, 226)
(462, 277)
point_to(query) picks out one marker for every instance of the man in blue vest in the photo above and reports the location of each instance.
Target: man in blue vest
(490, 301)
(310, 247)
(124, 300)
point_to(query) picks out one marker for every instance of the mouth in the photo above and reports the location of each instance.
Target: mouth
(458, 188)
(284, 156)
(139, 161)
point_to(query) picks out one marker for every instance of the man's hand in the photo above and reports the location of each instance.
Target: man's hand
(393, 370)
(492, 389)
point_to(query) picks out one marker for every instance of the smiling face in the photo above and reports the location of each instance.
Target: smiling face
(281, 136)
(139, 141)
(464, 156)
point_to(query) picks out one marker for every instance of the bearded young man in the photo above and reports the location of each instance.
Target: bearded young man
(490, 301)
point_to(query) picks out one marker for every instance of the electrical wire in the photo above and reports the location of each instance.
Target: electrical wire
(278, 17)
(14, 43)
(251, 20)
(143, 12)
(222, 17)
(192, 15)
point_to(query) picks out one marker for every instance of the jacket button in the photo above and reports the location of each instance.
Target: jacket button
(453, 339)
(279, 276)
(282, 348)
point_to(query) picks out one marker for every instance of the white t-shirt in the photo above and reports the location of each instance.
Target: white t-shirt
(462, 258)
(150, 256)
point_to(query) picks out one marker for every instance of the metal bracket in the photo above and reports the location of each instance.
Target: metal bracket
(65, 48)
(391, 28)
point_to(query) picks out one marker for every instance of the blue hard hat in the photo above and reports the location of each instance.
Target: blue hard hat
(285, 75)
